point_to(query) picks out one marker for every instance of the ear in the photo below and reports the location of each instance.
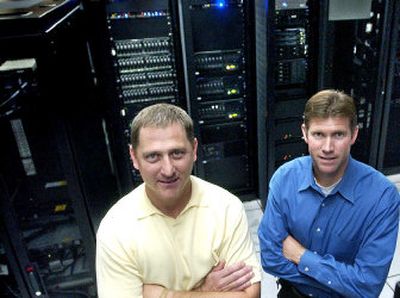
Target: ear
(133, 157)
(195, 145)
(304, 131)
(354, 135)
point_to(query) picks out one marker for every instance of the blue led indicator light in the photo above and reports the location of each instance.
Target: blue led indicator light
(221, 3)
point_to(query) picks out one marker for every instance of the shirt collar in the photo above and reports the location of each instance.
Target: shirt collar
(345, 187)
(308, 180)
(146, 208)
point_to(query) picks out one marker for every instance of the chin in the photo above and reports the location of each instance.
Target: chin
(327, 170)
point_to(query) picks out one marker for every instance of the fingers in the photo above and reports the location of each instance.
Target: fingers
(224, 278)
(241, 283)
(236, 277)
(219, 266)
(232, 269)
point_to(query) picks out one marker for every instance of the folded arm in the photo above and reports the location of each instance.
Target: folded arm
(222, 281)
(154, 291)
(363, 278)
(273, 230)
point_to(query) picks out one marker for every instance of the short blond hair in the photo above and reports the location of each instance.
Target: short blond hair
(161, 115)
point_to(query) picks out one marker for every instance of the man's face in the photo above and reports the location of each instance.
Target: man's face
(164, 158)
(329, 141)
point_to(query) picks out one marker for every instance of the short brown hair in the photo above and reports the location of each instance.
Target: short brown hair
(330, 103)
(160, 115)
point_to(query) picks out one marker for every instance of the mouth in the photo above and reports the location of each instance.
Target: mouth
(327, 158)
(170, 181)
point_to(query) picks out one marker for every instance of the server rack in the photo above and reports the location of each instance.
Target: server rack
(196, 55)
(50, 236)
(49, 231)
(218, 46)
(145, 69)
(388, 161)
(291, 72)
(354, 58)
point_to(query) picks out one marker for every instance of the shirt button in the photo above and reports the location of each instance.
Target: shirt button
(310, 295)
(329, 282)
(315, 252)
(306, 269)
(318, 230)
(323, 204)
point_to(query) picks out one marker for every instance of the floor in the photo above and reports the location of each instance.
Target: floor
(268, 284)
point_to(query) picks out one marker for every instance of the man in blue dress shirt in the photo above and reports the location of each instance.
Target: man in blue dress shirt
(330, 223)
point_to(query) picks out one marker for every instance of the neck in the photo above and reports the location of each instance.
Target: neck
(173, 211)
(173, 207)
(326, 181)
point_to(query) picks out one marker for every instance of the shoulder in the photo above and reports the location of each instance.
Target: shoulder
(122, 214)
(293, 170)
(370, 183)
(213, 195)
(368, 176)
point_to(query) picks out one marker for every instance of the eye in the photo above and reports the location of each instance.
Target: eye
(340, 135)
(151, 157)
(317, 135)
(178, 154)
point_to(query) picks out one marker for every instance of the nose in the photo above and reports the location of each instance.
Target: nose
(167, 167)
(327, 145)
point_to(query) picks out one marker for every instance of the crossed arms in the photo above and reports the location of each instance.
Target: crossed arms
(120, 271)
(222, 281)
(286, 257)
(230, 281)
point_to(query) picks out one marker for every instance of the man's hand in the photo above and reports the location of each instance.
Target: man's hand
(231, 278)
(292, 249)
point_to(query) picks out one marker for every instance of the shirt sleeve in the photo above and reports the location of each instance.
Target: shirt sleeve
(367, 275)
(238, 245)
(116, 272)
(272, 231)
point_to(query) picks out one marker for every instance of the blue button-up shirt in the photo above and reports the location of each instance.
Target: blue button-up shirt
(350, 235)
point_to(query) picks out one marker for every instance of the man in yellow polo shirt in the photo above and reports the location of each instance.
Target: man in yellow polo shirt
(175, 235)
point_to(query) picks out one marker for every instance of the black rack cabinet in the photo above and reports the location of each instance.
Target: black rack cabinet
(286, 72)
(48, 235)
(218, 47)
(143, 69)
(354, 58)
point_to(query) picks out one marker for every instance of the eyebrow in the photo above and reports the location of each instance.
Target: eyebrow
(144, 153)
(333, 132)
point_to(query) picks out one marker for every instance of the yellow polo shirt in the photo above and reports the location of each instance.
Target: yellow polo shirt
(137, 244)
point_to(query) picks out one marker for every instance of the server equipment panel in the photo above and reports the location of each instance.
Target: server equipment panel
(164, 50)
(388, 160)
(366, 66)
(49, 238)
(39, 198)
(222, 100)
(142, 48)
(291, 69)
(356, 60)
